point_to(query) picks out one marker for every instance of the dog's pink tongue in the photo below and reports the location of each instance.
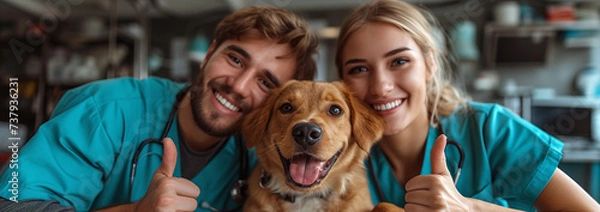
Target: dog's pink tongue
(305, 169)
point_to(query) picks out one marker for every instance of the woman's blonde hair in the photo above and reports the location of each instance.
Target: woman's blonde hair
(442, 98)
(277, 24)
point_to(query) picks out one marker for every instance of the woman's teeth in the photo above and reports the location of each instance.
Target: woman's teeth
(226, 103)
(387, 106)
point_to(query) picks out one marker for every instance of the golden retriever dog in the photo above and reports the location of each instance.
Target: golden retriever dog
(311, 139)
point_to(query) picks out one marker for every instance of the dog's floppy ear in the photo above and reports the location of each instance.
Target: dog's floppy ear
(367, 127)
(255, 123)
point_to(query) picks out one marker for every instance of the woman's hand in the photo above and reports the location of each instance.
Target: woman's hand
(435, 192)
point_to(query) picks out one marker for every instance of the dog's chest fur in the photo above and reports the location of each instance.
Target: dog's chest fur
(306, 204)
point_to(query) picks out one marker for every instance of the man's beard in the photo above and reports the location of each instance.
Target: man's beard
(203, 118)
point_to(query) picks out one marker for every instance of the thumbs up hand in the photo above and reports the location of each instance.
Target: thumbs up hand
(168, 193)
(435, 192)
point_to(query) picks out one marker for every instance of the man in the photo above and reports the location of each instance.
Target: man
(82, 157)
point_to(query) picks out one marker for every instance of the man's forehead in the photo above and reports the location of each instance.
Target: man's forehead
(262, 43)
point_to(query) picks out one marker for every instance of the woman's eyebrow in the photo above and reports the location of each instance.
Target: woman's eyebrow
(396, 51)
(350, 61)
(387, 54)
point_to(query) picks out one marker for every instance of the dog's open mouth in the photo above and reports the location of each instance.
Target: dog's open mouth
(304, 170)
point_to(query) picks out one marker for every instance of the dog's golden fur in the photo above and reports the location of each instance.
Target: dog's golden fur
(347, 136)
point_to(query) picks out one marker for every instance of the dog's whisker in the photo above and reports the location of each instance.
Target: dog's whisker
(272, 146)
(268, 149)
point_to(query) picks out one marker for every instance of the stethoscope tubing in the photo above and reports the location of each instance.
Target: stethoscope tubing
(134, 160)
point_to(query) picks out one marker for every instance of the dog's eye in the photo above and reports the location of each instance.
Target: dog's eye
(335, 110)
(286, 108)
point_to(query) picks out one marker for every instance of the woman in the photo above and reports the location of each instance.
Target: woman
(387, 55)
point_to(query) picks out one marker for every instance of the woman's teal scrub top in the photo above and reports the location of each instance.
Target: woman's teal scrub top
(82, 155)
(508, 161)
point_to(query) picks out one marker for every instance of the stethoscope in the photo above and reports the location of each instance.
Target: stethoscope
(456, 175)
(239, 188)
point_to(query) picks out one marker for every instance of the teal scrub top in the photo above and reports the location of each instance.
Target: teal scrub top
(508, 161)
(82, 155)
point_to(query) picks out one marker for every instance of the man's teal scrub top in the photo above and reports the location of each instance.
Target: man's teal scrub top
(82, 156)
(508, 161)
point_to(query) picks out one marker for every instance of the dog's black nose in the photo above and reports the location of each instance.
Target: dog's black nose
(306, 134)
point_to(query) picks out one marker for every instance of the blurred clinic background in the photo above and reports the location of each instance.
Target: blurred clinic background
(540, 58)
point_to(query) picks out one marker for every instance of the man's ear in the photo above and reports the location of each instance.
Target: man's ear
(209, 53)
(367, 126)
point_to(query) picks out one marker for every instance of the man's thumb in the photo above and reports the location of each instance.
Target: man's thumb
(169, 159)
(438, 157)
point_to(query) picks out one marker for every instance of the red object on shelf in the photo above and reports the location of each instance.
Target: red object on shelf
(559, 13)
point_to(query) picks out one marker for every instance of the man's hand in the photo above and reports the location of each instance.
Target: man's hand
(168, 193)
(435, 192)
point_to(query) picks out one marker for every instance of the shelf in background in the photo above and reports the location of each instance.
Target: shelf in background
(582, 42)
(558, 26)
(572, 1)
(576, 25)
(576, 34)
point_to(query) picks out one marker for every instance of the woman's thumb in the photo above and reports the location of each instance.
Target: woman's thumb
(438, 157)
